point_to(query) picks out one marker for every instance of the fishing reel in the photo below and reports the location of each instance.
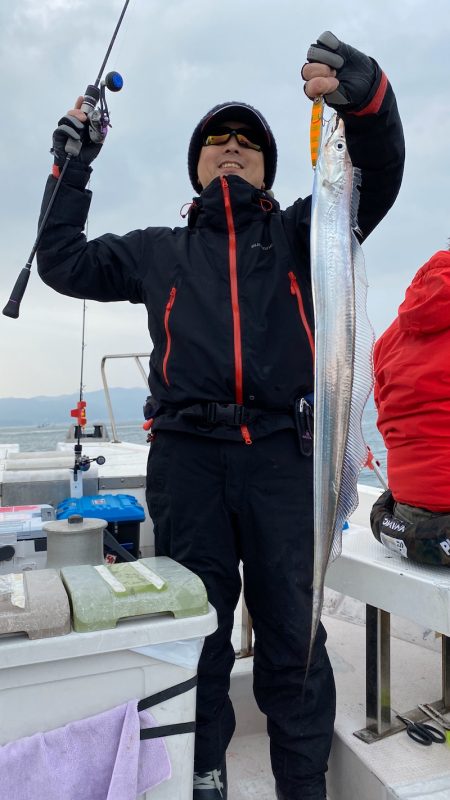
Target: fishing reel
(112, 81)
(95, 107)
(83, 463)
(99, 120)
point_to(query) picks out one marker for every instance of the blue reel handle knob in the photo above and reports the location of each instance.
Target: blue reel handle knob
(113, 81)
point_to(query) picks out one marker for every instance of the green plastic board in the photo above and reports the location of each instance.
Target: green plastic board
(100, 596)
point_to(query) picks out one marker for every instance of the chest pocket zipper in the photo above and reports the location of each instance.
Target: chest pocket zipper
(295, 290)
(167, 313)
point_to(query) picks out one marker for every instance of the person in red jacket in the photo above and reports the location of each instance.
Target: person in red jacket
(412, 395)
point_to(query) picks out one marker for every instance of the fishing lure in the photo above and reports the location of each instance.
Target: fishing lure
(315, 129)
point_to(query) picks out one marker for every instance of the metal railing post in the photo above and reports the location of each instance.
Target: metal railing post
(136, 357)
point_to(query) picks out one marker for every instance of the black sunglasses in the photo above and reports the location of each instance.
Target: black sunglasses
(246, 137)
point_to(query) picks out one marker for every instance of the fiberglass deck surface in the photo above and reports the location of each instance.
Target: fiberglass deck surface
(395, 767)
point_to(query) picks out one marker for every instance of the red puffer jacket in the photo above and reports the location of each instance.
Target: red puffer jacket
(412, 390)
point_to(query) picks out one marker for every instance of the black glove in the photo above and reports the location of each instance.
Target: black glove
(75, 137)
(355, 71)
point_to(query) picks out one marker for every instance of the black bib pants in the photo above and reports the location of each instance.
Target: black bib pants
(214, 503)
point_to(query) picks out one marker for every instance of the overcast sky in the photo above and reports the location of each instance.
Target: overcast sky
(178, 59)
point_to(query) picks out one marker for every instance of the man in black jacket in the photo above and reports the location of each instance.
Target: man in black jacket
(231, 320)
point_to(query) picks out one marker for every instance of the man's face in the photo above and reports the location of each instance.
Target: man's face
(231, 158)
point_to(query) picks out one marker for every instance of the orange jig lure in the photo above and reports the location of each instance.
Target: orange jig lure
(315, 130)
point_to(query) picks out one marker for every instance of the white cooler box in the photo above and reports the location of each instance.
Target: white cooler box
(23, 543)
(47, 683)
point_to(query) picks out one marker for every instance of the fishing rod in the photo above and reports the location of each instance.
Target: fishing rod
(373, 464)
(81, 462)
(98, 125)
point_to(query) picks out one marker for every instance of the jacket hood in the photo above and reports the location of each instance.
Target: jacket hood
(425, 308)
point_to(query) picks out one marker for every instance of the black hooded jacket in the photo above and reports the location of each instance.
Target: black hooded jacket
(228, 296)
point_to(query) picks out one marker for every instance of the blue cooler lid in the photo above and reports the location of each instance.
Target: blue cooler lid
(111, 507)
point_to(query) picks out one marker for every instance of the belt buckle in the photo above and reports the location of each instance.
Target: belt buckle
(239, 414)
(227, 413)
(210, 415)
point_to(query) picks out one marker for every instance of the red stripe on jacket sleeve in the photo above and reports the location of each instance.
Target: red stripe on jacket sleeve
(375, 104)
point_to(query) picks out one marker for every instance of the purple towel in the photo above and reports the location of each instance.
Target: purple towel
(100, 758)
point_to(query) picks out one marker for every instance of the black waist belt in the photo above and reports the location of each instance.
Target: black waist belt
(160, 697)
(231, 414)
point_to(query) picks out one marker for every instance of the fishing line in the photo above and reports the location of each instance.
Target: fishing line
(81, 463)
(82, 405)
(113, 39)
(83, 345)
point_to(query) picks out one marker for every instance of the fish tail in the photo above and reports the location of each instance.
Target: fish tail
(317, 603)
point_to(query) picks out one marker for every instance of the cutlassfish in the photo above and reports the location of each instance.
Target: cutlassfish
(344, 340)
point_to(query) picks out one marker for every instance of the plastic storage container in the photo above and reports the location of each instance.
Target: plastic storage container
(122, 512)
(47, 683)
(23, 542)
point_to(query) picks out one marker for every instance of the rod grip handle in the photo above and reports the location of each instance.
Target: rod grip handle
(12, 307)
(90, 99)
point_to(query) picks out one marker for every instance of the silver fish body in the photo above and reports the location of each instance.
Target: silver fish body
(344, 342)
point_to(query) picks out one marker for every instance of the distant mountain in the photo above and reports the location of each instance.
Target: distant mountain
(42, 410)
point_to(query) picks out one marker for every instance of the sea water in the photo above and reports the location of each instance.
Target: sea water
(46, 438)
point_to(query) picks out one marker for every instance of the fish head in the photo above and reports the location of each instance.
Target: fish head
(334, 160)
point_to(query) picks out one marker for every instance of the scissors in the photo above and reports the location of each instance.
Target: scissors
(421, 732)
(436, 715)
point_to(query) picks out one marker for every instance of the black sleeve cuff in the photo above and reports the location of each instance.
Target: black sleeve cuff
(77, 174)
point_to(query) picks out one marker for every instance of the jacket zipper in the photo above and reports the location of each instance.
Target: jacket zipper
(169, 306)
(235, 303)
(295, 290)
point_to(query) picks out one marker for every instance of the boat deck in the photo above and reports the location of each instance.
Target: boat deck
(395, 767)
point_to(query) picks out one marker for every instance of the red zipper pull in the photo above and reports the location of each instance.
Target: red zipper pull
(246, 434)
(171, 299)
(293, 280)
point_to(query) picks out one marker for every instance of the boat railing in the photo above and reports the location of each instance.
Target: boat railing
(137, 359)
